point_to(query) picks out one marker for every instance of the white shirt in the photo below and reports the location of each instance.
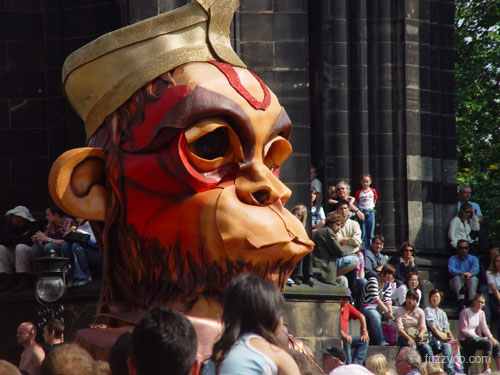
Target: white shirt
(493, 279)
(473, 320)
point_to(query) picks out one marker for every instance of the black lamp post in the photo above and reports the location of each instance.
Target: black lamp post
(50, 271)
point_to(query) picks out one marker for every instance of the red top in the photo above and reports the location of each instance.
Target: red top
(346, 313)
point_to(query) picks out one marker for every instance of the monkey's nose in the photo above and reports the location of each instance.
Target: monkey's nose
(259, 186)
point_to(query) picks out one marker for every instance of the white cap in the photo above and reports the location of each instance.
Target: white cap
(21, 211)
(351, 370)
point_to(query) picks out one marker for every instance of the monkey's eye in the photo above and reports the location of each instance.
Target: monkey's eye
(212, 143)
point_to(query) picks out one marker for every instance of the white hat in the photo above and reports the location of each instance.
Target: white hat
(21, 211)
(351, 370)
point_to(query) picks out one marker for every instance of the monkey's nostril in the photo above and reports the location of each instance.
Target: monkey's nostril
(261, 196)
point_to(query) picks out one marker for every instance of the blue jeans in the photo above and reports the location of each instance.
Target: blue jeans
(360, 348)
(368, 229)
(81, 258)
(39, 250)
(346, 261)
(444, 348)
(425, 350)
(374, 322)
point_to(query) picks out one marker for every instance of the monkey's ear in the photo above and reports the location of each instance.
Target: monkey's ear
(77, 183)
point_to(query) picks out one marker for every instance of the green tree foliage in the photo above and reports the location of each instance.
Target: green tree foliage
(477, 68)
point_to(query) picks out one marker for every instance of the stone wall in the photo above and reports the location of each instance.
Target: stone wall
(382, 95)
(36, 124)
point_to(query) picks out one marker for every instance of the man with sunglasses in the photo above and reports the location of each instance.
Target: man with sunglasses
(463, 269)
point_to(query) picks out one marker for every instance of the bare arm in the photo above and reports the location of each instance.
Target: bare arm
(284, 362)
(494, 291)
(364, 329)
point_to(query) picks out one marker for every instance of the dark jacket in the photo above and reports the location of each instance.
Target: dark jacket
(325, 253)
(13, 236)
(401, 269)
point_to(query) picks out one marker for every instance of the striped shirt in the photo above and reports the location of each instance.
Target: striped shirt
(371, 293)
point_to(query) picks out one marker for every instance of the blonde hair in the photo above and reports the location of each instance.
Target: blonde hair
(429, 368)
(300, 209)
(493, 268)
(377, 363)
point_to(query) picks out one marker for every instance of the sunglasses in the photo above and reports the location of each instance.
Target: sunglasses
(410, 250)
(463, 247)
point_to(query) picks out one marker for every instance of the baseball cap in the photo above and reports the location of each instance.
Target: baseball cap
(21, 211)
(335, 352)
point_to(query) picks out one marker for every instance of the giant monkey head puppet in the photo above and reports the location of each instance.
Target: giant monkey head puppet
(180, 176)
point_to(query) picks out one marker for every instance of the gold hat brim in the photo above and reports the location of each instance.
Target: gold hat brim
(102, 75)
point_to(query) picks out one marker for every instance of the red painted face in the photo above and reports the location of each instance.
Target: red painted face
(197, 180)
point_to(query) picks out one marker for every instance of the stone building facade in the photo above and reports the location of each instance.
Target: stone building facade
(368, 84)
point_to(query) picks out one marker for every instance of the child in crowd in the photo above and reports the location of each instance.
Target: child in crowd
(317, 213)
(367, 198)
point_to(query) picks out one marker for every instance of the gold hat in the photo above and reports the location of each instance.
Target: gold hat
(99, 77)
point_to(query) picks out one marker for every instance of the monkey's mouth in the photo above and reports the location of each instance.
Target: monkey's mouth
(248, 227)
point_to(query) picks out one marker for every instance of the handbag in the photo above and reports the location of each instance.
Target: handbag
(413, 333)
(82, 238)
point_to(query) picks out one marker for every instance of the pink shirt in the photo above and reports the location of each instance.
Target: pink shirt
(415, 319)
(468, 331)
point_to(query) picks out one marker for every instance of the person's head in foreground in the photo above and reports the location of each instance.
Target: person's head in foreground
(164, 342)
(7, 368)
(352, 369)
(377, 363)
(332, 358)
(253, 311)
(407, 360)
(68, 359)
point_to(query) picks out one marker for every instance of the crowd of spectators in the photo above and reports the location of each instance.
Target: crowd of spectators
(24, 239)
(165, 342)
(381, 292)
(389, 292)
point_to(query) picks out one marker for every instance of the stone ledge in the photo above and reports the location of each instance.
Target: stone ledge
(318, 291)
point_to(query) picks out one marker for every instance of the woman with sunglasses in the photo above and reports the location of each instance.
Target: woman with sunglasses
(404, 262)
(474, 334)
(462, 224)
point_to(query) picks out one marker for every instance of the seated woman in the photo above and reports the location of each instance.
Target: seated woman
(318, 217)
(404, 262)
(375, 297)
(474, 334)
(493, 277)
(412, 331)
(462, 224)
(438, 324)
(412, 283)
(253, 311)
